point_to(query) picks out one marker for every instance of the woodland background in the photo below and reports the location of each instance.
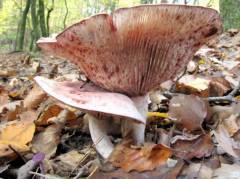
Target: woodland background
(22, 22)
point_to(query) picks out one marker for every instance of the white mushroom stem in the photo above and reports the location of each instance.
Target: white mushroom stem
(98, 131)
(99, 128)
(135, 130)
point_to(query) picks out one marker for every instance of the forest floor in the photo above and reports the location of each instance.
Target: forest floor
(193, 128)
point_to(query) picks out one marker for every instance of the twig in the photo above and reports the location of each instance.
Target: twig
(87, 154)
(173, 87)
(18, 154)
(83, 169)
(228, 98)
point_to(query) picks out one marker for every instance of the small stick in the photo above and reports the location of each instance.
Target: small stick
(228, 98)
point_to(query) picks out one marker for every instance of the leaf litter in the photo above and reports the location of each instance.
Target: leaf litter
(202, 137)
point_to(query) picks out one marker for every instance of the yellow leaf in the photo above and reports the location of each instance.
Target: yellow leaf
(16, 134)
(201, 61)
(157, 114)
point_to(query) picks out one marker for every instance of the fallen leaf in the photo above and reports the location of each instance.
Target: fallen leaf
(188, 110)
(16, 134)
(218, 86)
(231, 124)
(4, 99)
(51, 110)
(7, 73)
(200, 147)
(140, 159)
(66, 163)
(197, 170)
(10, 110)
(226, 142)
(190, 84)
(47, 140)
(162, 172)
(227, 171)
(34, 98)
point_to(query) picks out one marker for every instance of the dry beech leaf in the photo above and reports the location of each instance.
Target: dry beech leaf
(47, 140)
(227, 171)
(4, 99)
(218, 87)
(51, 111)
(7, 73)
(162, 172)
(10, 110)
(231, 124)
(198, 171)
(17, 134)
(190, 84)
(34, 98)
(146, 158)
(65, 163)
(200, 147)
(226, 142)
(188, 110)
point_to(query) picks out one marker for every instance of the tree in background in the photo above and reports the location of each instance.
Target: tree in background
(39, 27)
(146, 1)
(22, 27)
(230, 12)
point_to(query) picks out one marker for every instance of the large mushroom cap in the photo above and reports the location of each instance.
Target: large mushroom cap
(134, 49)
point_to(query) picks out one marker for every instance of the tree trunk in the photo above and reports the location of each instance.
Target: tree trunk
(230, 13)
(22, 27)
(42, 18)
(66, 14)
(48, 17)
(1, 4)
(35, 25)
(146, 1)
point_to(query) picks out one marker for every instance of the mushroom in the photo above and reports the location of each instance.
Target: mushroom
(125, 55)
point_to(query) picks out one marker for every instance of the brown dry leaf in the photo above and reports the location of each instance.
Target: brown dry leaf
(227, 171)
(10, 110)
(28, 115)
(162, 172)
(197, 170)
(34, 98)
(190, 84)
(189, 111)
(231, 124)
(218, 87)
(66, 163)
(16, 134)
(47, 140)
(227, 143)
(35, 67)
(4, 99)
(51, 110)
(7, 73)
(140, 159)
(202, 146)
